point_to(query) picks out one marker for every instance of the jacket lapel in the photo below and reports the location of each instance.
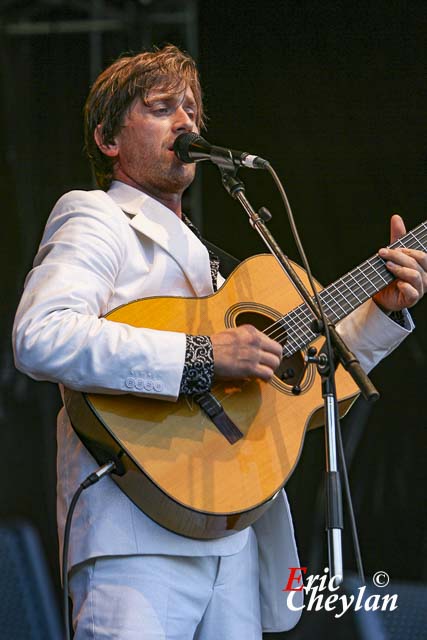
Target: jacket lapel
(155, 221)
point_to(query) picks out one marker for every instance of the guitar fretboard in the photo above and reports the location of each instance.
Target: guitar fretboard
(340, 298)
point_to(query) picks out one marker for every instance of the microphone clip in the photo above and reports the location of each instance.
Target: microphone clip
(231, 183)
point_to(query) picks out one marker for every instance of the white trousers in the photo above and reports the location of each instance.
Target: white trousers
(151, 597)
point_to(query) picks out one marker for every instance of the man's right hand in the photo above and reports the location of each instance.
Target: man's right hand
(245, 352)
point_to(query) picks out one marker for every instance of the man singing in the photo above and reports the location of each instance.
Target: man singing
(129, 577)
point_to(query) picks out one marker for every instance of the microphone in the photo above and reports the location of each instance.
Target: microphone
(190, 147)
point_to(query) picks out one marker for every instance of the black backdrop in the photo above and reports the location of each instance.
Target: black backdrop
(334, 94)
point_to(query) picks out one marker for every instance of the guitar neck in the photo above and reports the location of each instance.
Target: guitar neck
(343, 296)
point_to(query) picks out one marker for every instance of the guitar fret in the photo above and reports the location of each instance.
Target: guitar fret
(289, 339)
(352, 291)
(346, 290)
(378, 273)
(417, 236)
(418, 241)
(329, 306)
(307, 320)
(280, 324)
(307, 336)
(309, 317)
(375, 272)
(298, 335)
(335, 301)
(344, 300)
(368, 287)
(289, 342)
(303, 320)
(360, 286)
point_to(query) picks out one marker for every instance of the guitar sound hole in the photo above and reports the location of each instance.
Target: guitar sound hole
(290, 369)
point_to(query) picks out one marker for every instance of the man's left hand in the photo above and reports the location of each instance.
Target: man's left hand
(409, 266)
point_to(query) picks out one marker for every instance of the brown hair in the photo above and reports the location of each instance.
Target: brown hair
(115, 89)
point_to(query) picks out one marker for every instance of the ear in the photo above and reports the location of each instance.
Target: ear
(111, 149)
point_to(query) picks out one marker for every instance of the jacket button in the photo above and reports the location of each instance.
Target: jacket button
(148, 385)
(130, 382)
(158, 385)
(139, 383)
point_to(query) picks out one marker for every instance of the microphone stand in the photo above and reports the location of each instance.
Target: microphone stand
(325, 365)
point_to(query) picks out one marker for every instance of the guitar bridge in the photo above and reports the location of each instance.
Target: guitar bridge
(215, 411)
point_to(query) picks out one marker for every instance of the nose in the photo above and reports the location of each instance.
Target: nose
(184, 121)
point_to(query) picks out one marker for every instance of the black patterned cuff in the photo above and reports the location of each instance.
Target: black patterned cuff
(398, 317)
(198, 372)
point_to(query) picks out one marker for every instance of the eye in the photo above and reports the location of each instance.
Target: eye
(159, 107)
(191, 112)
(161, 110)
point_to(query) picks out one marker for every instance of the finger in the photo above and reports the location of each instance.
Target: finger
(406, 257)
(397, 228)
(420, 257)
(410, 294)
(271, 346)
(260, 340)
(270, 360)
(264, 373)
(408, 275)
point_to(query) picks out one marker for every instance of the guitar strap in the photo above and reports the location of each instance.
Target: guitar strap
(215, 411)
(220, 260)
(227, 262)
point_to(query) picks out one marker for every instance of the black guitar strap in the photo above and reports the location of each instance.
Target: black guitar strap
(221, 261)
(227, 262)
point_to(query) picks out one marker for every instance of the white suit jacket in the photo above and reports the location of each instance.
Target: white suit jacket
(102, 250)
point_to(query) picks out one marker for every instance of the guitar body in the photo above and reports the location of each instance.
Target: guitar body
(172, 460)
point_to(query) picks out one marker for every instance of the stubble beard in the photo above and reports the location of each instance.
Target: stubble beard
(174, 177)
(164, 177)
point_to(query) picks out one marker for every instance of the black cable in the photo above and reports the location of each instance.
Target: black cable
(330, 352)
(66, 606)
(94, 477)
(304, 260)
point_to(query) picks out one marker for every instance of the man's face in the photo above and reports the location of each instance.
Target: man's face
(145, 156)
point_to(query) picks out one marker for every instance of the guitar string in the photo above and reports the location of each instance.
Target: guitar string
(377, 280)
(378, 277)
(341, 282)
(306, 316)
(294, 321)
(307, 338)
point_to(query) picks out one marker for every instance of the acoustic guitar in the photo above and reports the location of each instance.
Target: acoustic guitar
(208, 466)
